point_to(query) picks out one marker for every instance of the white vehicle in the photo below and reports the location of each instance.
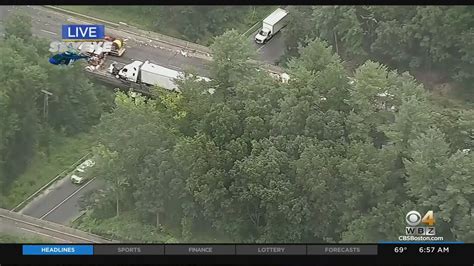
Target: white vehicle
(149, 74)
(272, 25)
(75, 179)
(86, 164)
(78, 176)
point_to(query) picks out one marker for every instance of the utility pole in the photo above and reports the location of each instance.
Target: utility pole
(45, 114)
(45, 103)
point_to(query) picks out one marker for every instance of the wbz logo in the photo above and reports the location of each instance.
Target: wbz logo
(413, 218)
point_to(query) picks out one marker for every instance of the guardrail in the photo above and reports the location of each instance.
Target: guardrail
(251, 29)
(60, 175)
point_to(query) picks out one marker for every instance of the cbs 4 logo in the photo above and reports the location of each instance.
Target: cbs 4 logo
(413, 218)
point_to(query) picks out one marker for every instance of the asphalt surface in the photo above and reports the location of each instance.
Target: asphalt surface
(271, 51)
(60, 202)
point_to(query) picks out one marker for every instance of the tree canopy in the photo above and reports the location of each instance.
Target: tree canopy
(328, 156)
(433, 42)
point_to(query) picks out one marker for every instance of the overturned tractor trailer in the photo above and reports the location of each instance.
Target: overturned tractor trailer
(145, 73)
(150, 74)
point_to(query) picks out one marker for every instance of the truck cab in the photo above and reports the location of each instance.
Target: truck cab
(130, 72)
(263, 35)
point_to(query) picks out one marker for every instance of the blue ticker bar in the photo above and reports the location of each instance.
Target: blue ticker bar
(58, 250)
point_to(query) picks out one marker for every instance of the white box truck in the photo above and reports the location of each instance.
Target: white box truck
(272, 25)
(149, 74)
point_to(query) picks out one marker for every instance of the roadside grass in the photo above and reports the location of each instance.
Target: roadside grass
(130, 228)
(123, 14)
(125, 228)
(64, 152)
(10, 238)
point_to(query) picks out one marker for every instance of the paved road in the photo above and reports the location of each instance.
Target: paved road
(69, 210)
(47, 24)
(271, 51)
(60, 202)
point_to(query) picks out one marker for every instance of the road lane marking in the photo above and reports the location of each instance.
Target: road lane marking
(66, 199)
(46, 186)
(50, 32)
(43, 234)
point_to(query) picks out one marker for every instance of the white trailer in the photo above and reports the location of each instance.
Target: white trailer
(156, 75)
(149, 74)
(272, 25)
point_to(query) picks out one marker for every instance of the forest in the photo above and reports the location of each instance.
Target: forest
(335, 155)
(434, 43)
(325, 158)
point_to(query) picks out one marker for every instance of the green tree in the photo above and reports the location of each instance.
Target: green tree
(74, 106)
(19, 25)
(440, 181)
(8, 126)
(318, 83)
(340, 26)
(298, 31)
(324, 157)
(231, 54)
(21, 85)
(430, 41)
(412, 120)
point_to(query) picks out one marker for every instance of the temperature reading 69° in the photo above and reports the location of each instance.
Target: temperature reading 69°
(400, 249)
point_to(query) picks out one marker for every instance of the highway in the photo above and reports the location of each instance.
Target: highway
(60, 202)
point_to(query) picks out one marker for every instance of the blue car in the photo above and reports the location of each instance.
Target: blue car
(66, 58)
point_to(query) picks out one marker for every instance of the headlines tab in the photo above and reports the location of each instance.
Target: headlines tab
(58, 250)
